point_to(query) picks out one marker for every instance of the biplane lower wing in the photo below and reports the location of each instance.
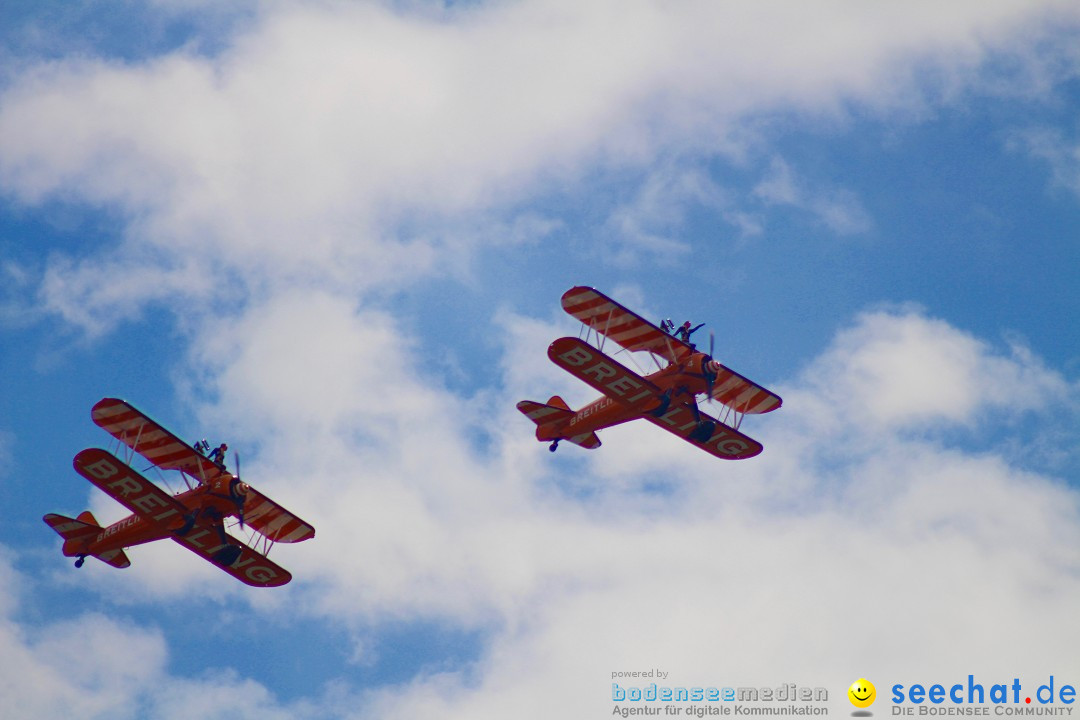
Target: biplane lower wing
(151, 503)
(146, 437)
(610, 319)
(234, 557)
(610, 377)
(142, 497)
(708, 433)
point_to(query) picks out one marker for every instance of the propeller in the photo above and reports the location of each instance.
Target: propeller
(709, 371)
(709, 368)
(712, 368)
(238, 490)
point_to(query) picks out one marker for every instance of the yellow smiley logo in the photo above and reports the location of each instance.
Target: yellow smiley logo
(862, 693)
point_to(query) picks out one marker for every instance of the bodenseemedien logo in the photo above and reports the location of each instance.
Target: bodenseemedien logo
(699, 701)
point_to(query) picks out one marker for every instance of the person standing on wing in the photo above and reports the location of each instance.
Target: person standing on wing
(685, 331)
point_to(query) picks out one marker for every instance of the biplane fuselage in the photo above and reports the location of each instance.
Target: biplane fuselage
(666, 397)
(208, 501)
(674, 382)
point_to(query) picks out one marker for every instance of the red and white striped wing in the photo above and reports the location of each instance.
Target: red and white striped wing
(742, 395)
(274, 521)
(624, 326)
(131, 427)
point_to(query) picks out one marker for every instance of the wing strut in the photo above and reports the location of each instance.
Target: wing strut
(607, 326)
(130, 450)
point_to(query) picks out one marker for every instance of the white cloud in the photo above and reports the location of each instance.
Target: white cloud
(854, 545)
(907, 558)
(95, 295)
(476, 535)
(847, 548)
(838, 209)
(1060, 153)
(91, 666)
(297, 149)
(905, 371)
(650, 224)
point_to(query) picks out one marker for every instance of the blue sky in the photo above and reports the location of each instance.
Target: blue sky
(335, 235)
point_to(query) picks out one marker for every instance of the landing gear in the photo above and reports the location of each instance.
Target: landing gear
(226, 556)
(189, 522)
(703, 431)
(665, 402)
(220, 526)
(79, 561)
(554, 445)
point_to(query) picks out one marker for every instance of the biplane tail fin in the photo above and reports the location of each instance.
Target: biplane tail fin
(78, 533)
(557, 402)
(551, 420)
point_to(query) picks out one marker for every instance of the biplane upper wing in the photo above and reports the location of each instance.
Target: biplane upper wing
(274, 521)
(610, 377)
(624, 326)
(161, 447)
(131, 427)
(151, 503)
(720, 440)
(732, 389)
(633, 332)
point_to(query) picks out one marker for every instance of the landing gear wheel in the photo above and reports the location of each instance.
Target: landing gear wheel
(703, 431)
(79, 562)
(227, 555)
(553, 446)
(665, 402)
(189, 522)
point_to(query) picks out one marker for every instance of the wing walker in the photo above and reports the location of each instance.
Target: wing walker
(666, 397)
(194, 518)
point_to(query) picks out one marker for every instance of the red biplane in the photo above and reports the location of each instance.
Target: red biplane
(667, 397)
(194, 518)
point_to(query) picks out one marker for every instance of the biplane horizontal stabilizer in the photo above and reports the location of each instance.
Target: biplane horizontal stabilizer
(550, 420)
(73, 530)
(78, 533)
